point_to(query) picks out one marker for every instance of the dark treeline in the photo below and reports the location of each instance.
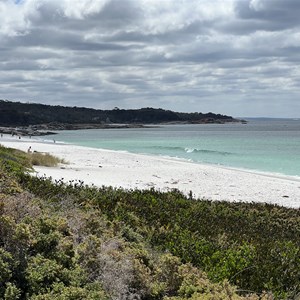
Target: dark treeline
(24, 114)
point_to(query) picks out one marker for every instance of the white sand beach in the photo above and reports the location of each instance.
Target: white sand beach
(130, 171)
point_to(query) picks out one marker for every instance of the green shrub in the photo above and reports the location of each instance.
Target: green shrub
(12, 292)
(104, 243)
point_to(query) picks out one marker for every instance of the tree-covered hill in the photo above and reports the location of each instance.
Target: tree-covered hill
(24, 114)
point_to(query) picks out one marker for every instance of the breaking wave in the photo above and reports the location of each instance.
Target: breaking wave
(191, 150)
(195, 150)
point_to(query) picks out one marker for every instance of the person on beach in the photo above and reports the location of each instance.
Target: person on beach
(29, 150)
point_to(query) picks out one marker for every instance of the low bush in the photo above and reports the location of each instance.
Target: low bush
(71, 241)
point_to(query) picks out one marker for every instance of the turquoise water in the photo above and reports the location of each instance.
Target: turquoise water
(263, 145)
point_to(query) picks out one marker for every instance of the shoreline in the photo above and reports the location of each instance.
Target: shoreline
(102, 167)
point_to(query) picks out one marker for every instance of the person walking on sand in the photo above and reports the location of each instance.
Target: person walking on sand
(29, 150)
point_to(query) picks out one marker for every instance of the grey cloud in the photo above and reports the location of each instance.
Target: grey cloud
(118, 13)
(55, 38)
(19, 66)
(178, 36)
(269, 15)
(113, 16)
(124, 55)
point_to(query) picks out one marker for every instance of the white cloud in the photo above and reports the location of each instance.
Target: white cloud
(169, 15)
(13, 18)
(80, 9)
(256, 5)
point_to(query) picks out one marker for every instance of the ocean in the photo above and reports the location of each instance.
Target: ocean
(267, 145)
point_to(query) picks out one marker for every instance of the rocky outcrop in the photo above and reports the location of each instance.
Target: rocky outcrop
(47, 129)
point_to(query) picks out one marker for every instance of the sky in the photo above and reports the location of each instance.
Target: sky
(234, 57)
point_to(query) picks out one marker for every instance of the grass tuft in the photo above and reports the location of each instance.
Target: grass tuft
(44, 159)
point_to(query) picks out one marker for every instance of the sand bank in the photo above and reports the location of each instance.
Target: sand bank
(130, 171)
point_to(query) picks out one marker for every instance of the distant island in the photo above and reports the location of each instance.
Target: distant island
(31, 118)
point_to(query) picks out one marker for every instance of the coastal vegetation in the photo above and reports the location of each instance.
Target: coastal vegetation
(44, 159)
(71, 241)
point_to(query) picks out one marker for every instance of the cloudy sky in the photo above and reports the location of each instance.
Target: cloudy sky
(236, 57)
